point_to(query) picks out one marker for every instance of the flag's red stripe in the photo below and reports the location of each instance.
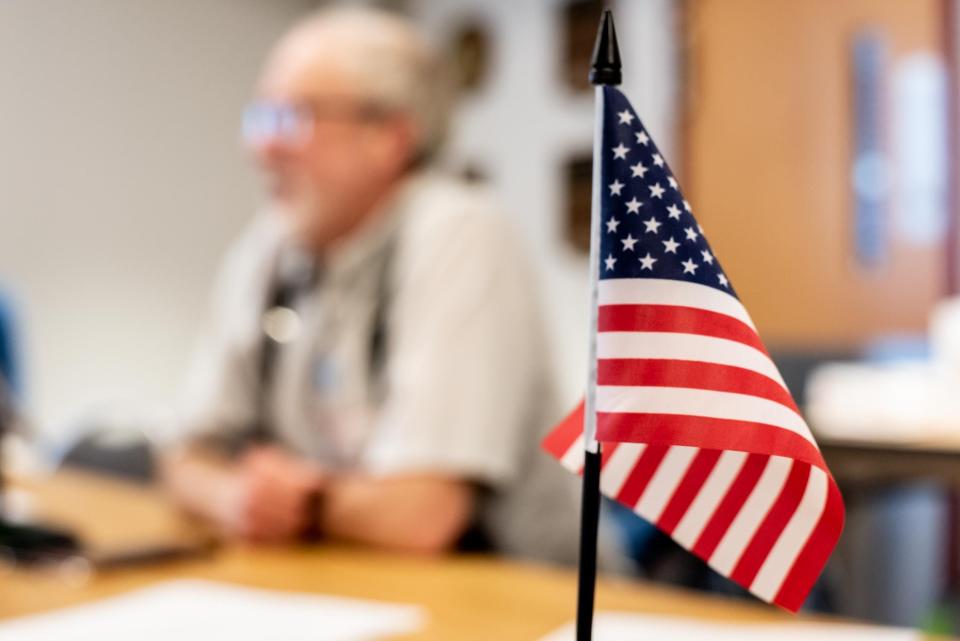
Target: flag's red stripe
(606, 451)
(707, 433)
(640, 475)
(809, 563)
(560, 438)
(730, 505)
(696, 475)
(657, 372)
(676, 319)
(772, 525)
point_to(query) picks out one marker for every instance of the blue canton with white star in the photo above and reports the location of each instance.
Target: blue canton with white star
(647, 228)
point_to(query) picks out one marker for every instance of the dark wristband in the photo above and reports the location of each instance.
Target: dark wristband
(313, 530)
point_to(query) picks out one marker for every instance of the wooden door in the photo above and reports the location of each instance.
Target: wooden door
(770, 142)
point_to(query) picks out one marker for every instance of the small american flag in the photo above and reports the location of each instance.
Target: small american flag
(699, 433)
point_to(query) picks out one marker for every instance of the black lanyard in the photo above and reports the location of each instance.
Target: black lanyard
(288, 288)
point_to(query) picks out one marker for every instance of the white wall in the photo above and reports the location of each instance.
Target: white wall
(525, 123)
(121, 181)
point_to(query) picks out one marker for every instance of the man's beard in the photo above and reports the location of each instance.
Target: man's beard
(306, 215)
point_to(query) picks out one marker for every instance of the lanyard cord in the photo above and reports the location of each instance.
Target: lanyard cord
(288, 286)
(284, 295)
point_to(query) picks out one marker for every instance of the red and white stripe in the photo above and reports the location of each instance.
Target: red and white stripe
(702, 438)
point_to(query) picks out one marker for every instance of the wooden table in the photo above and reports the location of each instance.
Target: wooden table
(466, 597)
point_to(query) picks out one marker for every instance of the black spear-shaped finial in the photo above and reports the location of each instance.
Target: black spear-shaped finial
(605, 69)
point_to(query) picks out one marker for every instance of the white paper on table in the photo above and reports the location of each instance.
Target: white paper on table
(616, 626)
(194, 610)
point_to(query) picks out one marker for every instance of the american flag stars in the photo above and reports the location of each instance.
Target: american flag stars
(650, 228)
(700, 434)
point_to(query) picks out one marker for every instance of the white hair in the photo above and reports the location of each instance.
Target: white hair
(396, 67)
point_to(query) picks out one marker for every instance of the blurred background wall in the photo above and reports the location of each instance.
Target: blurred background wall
(811, 138)
(121, 181)
(815, 140)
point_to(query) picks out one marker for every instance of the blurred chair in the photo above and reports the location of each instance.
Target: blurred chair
(124, 453)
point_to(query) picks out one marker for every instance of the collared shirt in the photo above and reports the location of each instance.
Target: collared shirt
(465, 387)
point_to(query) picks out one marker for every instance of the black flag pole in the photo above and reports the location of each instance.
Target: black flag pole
(604, 70)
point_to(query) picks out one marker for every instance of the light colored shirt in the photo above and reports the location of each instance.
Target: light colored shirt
(465, 388)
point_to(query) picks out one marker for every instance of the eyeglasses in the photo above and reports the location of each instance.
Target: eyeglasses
(294, 123)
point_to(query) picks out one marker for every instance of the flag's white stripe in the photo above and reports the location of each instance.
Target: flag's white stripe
(696, 402)
(618, 467)
(574, 457)
(665, 481)
(686, 347)
(794, 536)
(656, 291)
(744, 525)
(705, 503)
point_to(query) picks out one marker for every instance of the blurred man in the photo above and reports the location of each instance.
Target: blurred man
(375, 368)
